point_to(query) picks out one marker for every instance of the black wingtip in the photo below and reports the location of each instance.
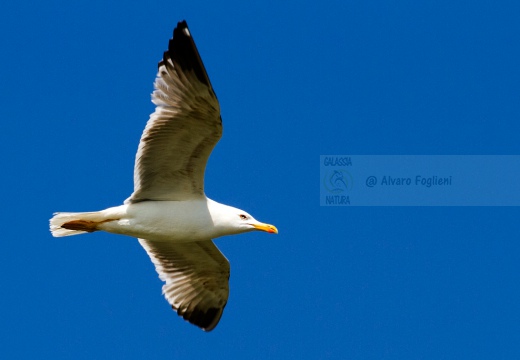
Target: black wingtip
(184, 54)
(206, 319)
(182, 24)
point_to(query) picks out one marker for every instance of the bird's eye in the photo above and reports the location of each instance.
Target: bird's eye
(243, 217)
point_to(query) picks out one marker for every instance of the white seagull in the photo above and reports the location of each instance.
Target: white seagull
(168, 211)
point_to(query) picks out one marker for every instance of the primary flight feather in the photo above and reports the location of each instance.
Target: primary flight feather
(168, 211)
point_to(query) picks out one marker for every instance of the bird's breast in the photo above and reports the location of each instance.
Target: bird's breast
(180, 221)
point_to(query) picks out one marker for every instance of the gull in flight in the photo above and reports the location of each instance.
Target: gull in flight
(168, 211)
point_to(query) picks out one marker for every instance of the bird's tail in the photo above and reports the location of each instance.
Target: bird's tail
(66, 224)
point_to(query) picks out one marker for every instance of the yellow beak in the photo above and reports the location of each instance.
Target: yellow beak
(266, 227)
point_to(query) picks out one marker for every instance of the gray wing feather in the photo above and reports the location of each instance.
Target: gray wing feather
(181, 133)
(196, 278)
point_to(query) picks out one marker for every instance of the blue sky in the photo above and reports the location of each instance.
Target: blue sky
(295, 80)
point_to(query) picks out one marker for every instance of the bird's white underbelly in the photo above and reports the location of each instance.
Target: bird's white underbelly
(162, 221)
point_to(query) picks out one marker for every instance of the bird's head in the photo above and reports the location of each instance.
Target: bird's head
(249, 223)
(236, 221)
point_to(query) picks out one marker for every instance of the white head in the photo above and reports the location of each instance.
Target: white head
(231, 220)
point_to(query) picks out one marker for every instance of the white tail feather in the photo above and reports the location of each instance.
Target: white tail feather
(61, 218)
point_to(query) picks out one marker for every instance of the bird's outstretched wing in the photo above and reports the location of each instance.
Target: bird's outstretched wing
(196, 278)
(183, 130)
